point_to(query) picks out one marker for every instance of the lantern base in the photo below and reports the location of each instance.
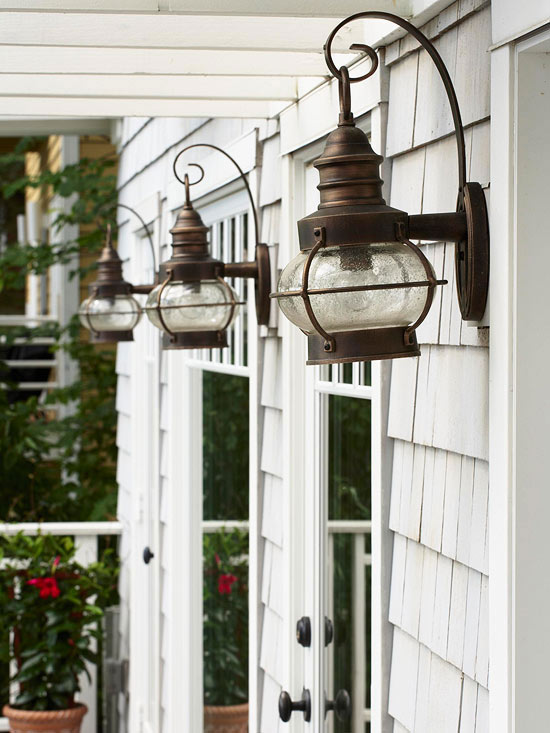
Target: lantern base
(367, 345)
(110, 337)
(195, 340)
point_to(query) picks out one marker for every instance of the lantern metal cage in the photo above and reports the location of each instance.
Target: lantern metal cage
(353, 229)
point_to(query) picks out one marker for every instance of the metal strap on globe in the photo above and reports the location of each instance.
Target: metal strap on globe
(159, 309)
(431, 281)
(430, 284)
(86, 312)
(234, 303)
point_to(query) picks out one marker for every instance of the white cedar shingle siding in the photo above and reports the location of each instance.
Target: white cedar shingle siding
(438, 405)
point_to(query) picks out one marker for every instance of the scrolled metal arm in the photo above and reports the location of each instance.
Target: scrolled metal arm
(144, 225)
(237, 166)
(436, 58)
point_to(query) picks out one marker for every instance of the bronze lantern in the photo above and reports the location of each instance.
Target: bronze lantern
(190, 301)
(359, 287)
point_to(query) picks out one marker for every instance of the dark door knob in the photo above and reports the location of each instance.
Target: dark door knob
(148, 555)
(341, 705)
(287, 707)
(303, 631)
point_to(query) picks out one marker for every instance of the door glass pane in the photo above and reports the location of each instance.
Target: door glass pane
(225, 446)
(225, 550)
(349, 586)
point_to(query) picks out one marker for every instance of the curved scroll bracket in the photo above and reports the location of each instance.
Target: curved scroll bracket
(259, 268)
(469, 226)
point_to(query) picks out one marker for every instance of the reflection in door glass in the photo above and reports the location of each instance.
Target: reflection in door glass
(225, 550)
(349, 547)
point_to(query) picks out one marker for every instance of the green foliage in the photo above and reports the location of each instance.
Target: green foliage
(60, 468)
(349, 458)
(90, 187)
(225, 446)
(51, 608)
(225, 617)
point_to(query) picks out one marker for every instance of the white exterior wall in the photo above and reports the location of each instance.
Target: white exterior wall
(438, 412)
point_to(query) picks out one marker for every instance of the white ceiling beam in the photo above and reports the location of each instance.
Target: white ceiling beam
(59, 60)
(17, 126)
(291, 8)
(25, 106)
(159, 87)
(173, 31)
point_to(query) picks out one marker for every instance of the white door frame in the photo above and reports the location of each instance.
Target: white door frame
(519, 501)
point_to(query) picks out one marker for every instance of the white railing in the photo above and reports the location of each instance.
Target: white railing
(86, 535)
(14, 321)
(359, 530)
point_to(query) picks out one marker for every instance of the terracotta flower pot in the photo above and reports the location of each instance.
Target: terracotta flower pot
(226, 718)
(45, 721)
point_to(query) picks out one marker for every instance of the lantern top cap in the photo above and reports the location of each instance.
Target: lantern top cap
(188, 219)
(109, 281)
(349, 170)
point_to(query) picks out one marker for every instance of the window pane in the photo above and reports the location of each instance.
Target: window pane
(225, 446)
(349, 582)
(349, 470)
(225, 617)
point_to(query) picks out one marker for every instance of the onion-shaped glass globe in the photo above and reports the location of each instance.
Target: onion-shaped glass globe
(207, 305)
(110, 314)
(338, 268)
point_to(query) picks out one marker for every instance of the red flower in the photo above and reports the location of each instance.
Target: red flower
(217, 559)
(47, 586)
(57, 561)
(225, 582)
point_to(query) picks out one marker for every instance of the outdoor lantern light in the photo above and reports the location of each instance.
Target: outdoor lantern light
(110, 312)
(190, 301)
(359, 287)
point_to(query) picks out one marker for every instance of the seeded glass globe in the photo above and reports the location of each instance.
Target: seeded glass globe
(119, 313)
(197, 306)
(367, 264)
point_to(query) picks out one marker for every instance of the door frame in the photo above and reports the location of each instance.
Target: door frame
(519, 501)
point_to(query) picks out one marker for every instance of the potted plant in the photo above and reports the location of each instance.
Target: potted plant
(225, 629)
(49, 630)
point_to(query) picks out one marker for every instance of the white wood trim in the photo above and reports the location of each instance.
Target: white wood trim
(517, 397)
(255, 506)
(293, 358)
(84, 106)
(76, 529)
(163, 86)
(172, 61)
(288, 8)
(501, 390)
(162, 30)
(185, 436)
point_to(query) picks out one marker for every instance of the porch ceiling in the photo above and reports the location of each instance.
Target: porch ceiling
(102, 59)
